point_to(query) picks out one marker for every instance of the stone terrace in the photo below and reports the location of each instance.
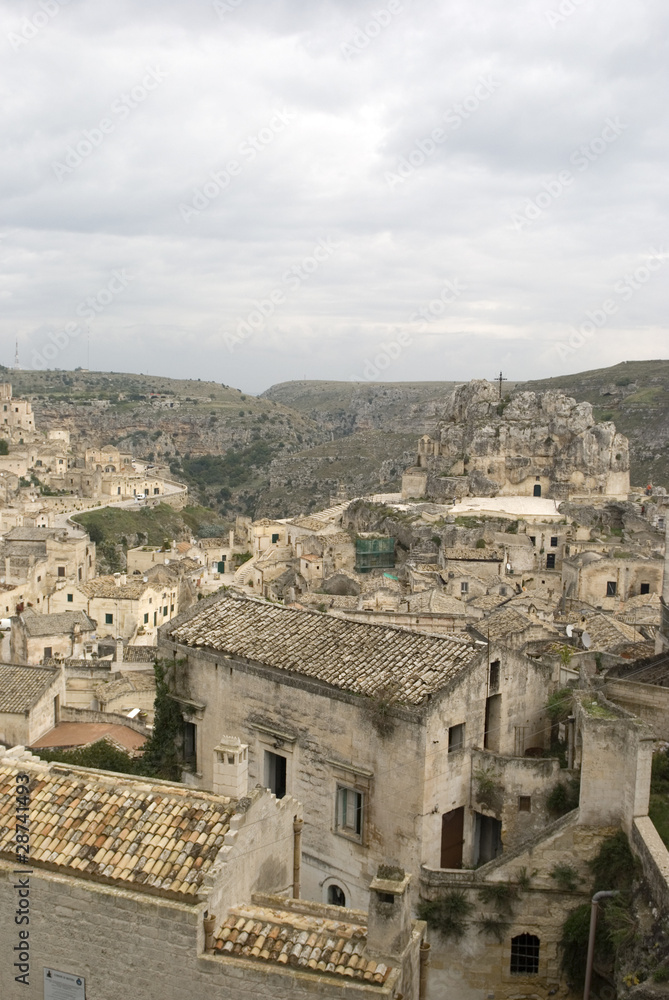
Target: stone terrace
(349, 655)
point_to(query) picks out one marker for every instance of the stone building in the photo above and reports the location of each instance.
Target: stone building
(606, 581)
(147, 889)
(40, 560)
(377, 729)
(531, 445)
(30, 700)
(17, 421)
(36, 638)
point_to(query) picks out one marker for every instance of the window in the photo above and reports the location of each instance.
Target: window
(554, 541)
(146, 617)
(190, 745)
(275, 539)
(456, 737)
(48, 652)
(525, 955)
(109, 619)
(80, 572)
(493, 676)
(156, 490)
(70, 598)
(165, 611)
(524, 803)
(644, 588)
(155, 617)
(61, 571)
(275, 773)
(537, 490)
(464, 587)
(349, 812)
(611, 588)
(336, 896)
(171, 608)
(550, 560)
(533, 539)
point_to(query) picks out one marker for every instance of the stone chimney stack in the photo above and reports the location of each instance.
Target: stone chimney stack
(231, 767)
(119, 650)
(389, 919)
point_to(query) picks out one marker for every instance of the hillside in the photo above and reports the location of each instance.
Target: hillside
(286, 451)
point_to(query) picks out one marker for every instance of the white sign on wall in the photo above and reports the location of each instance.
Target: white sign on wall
(63, 986)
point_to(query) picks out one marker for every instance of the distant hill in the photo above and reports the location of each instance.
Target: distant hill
(287, 450)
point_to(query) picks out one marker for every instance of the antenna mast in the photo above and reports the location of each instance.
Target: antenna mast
(16, 356)
(501, 378)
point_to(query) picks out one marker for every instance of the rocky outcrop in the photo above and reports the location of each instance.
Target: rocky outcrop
(543, 444)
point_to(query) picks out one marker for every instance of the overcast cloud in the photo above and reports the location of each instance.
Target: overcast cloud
(260, 190)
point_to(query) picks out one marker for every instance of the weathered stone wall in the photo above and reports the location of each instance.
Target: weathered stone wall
(647, 701)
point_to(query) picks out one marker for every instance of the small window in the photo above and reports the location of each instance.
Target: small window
(493, 677)
(109, 619)
(48, 652)
(61, 571)
(464, 587)
(554, 541)
(644, 588)
(165, 611)
(146, 617)
(70, 598)
(156, 490)
(336, 896)
(190, 745)
(533, 539)
(155, 617)
(349, 812)
(550, 560)
(525, 955)
(456, 737)
(275, 539)
(611, 588)
(524, 803)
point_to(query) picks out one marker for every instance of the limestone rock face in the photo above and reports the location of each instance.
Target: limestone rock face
(542, 444)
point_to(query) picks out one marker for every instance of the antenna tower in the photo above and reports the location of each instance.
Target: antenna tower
(16, 356)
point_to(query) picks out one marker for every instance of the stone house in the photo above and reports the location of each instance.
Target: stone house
(315, 699)
(30, 700)
(122, 607)
(17, 420)
(148, 892)
(36, 638)
(607, 580)
(43, 559)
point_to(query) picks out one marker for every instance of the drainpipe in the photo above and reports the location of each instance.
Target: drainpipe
(424, 962)
(591, 940)
(297, 837)
(209, 924)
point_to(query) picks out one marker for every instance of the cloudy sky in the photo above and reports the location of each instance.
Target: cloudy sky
(260, 190)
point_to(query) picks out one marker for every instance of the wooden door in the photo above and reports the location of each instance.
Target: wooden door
(452, 839)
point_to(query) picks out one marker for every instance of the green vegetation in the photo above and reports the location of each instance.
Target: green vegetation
(494, 927)
(448, 915)
(500, 895)
(468, 521)
(564, 798)
(614, 867)
(566, 877)
(152, 524)
(659, 795)
(4, 447)
(231, 469)
(100, 755)
(480, 543)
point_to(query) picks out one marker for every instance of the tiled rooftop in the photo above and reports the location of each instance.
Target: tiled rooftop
(305, 942)
(156, 837)
(56, 624)
(21, 687)
(362, 658)
(508, 622)
(106, 586)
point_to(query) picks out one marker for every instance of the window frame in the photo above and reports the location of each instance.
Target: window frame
(456, 737)
(611, 588)
(350, 801)
(524, 952)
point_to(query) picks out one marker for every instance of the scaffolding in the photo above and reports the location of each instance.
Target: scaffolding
(374, 553)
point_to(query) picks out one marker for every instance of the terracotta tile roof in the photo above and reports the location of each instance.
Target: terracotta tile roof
(487, 602)
(508, 622)
(21, 687)
(151, 836)
(128, 683)
(362, 658)
(106, 586)
(56, 624)
(607, 632)
(139, 654)
(461, 553)
(82, 734)
(306, 942)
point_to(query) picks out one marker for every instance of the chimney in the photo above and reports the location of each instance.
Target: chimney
(389, 918)
(119, 650)
(231, 767)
